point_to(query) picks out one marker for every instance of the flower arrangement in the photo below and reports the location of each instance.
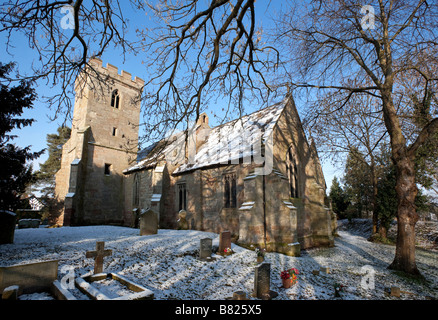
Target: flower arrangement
(290, 273)
(260, 252)
(338, 289)
(289, 277)
(228, 251)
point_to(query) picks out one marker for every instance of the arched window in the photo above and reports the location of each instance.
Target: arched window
(115, 99)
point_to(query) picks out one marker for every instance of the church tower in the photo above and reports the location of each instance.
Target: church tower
(103, 143)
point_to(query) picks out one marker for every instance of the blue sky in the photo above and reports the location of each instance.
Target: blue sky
(35, 135)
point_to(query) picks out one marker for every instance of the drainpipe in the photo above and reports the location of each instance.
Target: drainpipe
(264, 210)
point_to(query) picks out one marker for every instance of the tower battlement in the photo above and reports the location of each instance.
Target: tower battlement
(113, 72)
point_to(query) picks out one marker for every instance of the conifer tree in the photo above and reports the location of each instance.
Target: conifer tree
(15, 173)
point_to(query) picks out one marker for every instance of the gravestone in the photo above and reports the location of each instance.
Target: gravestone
(239, 295)
(98, 256)
(135, 213)
(182, 220)
(31, 277)
(395, 291)
(148, 222)
(29, 223)
(262, 282)
(7, 226)
(10, 293)
(224, 241)
(205, 249)
(325, 270)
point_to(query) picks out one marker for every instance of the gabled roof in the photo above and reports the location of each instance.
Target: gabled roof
(230, 141)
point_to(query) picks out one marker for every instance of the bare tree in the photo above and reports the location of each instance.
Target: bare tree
(333, 41)
(203, 50)
(356, 130)
(65, 35)
(193, 50)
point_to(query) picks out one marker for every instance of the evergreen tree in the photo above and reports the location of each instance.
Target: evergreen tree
(15, 174)
(358, 184)
(339, 199)
(46, 175)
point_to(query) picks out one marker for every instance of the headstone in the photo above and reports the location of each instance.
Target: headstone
(10, 293)
(239, 295)
(395, 291)
(433, 217)
(205, 249)
(325, 270)
(135, 213)
(29, 223)
(7, 226)
(262, 282)
(98, 256)
(182, 220)
(224, 241)
(148, 222)
(31, 277)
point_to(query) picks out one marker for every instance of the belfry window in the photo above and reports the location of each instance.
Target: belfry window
(107, 169)
(230, 191)
(115, 99)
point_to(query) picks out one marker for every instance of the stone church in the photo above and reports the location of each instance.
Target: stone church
(256, 176)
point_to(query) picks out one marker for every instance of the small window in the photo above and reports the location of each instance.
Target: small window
(107, 169)
(182, 196)
(292, 173)
(230, 191)
(136, 191)
(115, 99)
(114, 132)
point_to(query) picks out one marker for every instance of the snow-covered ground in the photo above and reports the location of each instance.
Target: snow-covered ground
(167, 264)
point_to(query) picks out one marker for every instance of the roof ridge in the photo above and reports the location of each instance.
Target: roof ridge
(249, 114)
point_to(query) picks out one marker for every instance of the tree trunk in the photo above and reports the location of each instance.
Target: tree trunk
(407, 216)
(406, 190)
(374, 197)
(383, 232)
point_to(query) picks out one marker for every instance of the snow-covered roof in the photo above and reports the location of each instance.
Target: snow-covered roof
(231, 141)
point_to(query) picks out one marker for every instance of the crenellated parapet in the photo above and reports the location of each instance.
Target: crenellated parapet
(113, 72)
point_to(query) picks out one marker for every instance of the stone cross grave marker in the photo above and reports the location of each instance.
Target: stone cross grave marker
(98, 256)
(205, 249)
(224, 241)
(148, 222)
(262, 282)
